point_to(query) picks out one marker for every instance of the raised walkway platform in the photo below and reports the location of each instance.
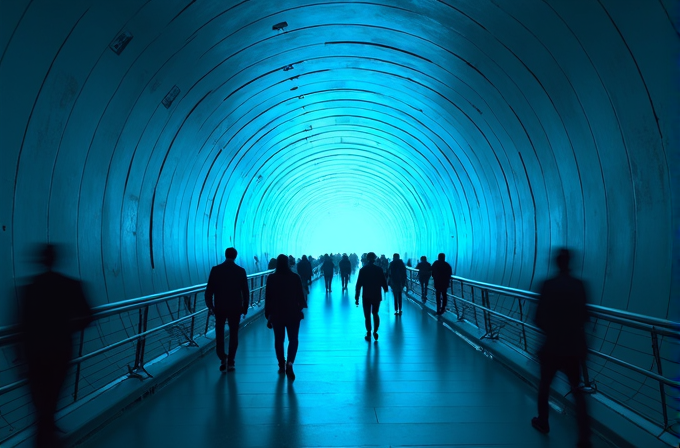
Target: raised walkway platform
(419, 385)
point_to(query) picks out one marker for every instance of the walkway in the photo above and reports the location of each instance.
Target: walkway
(419, 385)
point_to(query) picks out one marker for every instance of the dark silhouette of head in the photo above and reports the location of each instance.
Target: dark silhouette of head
(230, 253)
(48, 256)
(371, 256)
(441, 257)
(282, 264)
(423, 258)
(395, 257)
(345, 257)
(304, 257)
(562, 259)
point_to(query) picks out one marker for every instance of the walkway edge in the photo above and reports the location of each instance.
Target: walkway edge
(82, 420)
(627, 432)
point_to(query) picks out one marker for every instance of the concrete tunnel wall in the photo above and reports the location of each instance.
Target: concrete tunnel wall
(492, 131)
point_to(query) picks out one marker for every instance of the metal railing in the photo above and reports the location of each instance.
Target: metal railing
(124, 337)
(630, 352)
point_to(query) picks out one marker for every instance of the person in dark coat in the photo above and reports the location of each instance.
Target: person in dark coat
(272, 264)
(328, 268)
(345, 269)
(561, 314)
(397, 276)
(283, 305)
(53, 309)
(441, 273)
(371, 278)
(227, 296)
(304, 268)
(424, 273)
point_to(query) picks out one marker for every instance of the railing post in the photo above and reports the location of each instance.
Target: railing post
(80, 353)
(141, 345)
(472, 290)
(193, 318)
(657, 357)
(523, 335)
(587, 386)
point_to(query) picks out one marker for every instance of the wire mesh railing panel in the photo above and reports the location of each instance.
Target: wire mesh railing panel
(630, 354)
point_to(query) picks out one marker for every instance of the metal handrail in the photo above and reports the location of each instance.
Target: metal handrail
(654, 326)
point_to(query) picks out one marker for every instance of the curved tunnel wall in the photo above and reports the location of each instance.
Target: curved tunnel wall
(493, 132)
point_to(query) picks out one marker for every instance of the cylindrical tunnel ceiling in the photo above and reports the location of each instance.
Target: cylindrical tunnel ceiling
(150, 135)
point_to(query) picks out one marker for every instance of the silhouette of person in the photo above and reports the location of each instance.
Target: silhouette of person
(441, 273)
(397, 276)
(304, 269)
(384, 264)
(283, 305)
(561, 314)
(228, 285)
(424, 274)
(53, 308)
(371, 278)
(328, 268)
(272, 264)
(345, 270)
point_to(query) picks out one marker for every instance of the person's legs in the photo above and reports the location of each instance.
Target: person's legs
(423, 293)
(367, 315)
(220, 320)
(445, 299)
(375, 306)
(233, 320)
(548, 371)
(399, 297)
(571, 368)
(293, 329)
(279, 335)
(438, 296)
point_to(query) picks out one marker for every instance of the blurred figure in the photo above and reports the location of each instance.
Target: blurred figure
(384, 264)
(424, 274)
(354, 260)
(283, 305)
(328, 267)
(304, 269)
(54, 307)
(561, 313)
(397, 276)
(345, 270)
(441, 273)
(228, 285)
(272, 264)
(371, 278)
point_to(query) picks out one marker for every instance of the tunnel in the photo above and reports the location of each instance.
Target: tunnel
(148, 136)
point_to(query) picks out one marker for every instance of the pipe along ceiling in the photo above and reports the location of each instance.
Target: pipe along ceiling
(148, 136)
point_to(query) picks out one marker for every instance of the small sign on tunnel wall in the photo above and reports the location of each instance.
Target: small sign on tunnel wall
(170, 97)
(121, 41)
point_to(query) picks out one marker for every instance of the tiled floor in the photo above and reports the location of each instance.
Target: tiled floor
(419, 385)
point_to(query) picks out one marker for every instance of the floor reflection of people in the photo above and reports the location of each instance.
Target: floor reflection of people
(54, 308)
(285, 427)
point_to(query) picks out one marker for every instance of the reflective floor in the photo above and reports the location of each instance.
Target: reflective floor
(418, 385)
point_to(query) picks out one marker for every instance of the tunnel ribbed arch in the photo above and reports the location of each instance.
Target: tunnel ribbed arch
(515, 128)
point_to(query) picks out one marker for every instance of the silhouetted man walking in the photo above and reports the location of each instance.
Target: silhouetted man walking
(228, 285)
(441, 273)
(371, 278)
(561, 314)
(345, 269)
(328, 267)
(397, 275)
(424, 274)
(304, 268)
(54, 307)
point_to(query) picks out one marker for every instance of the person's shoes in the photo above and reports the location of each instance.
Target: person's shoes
(543, 428)
(282, 367)
(223, 366)
(231, 368)
(396, 313)
(375, 335)
(368, 336)
(400, 311)
(289, 371)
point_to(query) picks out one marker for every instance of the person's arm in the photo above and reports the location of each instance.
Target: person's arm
(245, 293)
(300, 292)
(383, 281)
(360, 281)
(267, 298)
(210, 291)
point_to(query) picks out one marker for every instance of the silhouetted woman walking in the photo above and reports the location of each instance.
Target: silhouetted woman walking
(284, 301)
